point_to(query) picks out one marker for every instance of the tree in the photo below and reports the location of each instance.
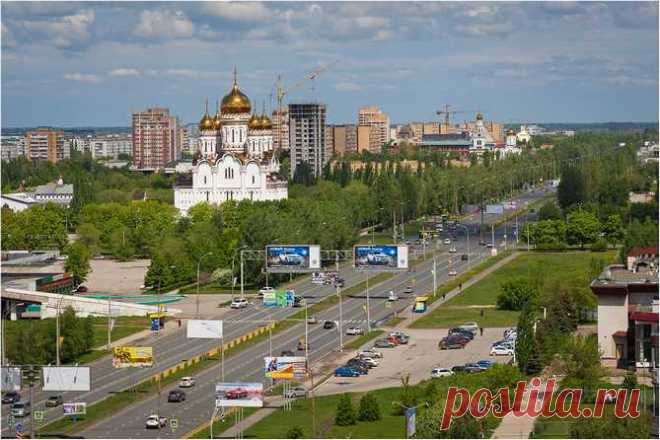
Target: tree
(613, 229)
(369, 410)
(345, 415)
(630, 381)
(77, 262)
(571, 190)
(90, 236)
(515, 294)
(407, 396)
(525, 339)
(582, 227)
(295, 432)
(550, 211)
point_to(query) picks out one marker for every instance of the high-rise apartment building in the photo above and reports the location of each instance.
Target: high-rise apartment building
(307, 140)
(12, 147)
(330, 139)
(280, 124)
(46, 144)
(157, 138)
(344, 139)
(363, 136)
(380, 127)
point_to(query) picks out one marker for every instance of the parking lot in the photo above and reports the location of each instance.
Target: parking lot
(417, 358)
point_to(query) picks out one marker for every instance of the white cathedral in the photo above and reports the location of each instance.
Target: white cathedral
(236, 160)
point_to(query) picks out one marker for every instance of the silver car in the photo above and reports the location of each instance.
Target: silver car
(296, 392)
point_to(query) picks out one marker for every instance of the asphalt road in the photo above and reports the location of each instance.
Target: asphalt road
(247, 365)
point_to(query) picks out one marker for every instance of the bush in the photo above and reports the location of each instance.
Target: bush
(369, 410)
(345, 415)
(515, 294)
(630, 381)
(294, 432)
(599, 245)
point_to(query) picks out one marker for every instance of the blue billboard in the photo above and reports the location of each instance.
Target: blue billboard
(377, 257)
(293, 258)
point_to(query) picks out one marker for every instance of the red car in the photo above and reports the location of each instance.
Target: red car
(238, 393)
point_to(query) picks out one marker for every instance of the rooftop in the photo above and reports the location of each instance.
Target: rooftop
(617, 278)
(54, 188)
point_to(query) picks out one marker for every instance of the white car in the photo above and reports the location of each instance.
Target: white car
(452, 250)
(156, 422)
(500, 350)
(447, 241)
(441, 372)
(370, 354)
(452, 273)
(296, 392)
(354, 331)
(372, 362)
(187, 382)
(392, 297)
(239, 303)
(264, 290)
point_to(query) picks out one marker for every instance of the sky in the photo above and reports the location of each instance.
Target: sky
(73, 64)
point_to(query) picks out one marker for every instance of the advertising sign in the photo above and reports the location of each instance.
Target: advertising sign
(206, 329)
(74, 408)
(295, 258)
(380, 258)
(494, 209)
(411, 419)
(125, 357)
(66, 378)
(279, 298)
(239, 394)
(11, 379)
(286, 367)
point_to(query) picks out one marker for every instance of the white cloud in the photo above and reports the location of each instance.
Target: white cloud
(190, 73)
(125, 72)
(66, 32)
(348, 86)
(241, 11)
(82, 77)
(164, 24)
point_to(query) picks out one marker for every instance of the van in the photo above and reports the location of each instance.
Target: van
(20, 409)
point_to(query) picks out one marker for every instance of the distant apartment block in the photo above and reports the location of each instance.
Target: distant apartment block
(344, 139)
(46, 144)
(157, 138)
(12, 147)
(307, 140)
(379, 123)
(280, 123)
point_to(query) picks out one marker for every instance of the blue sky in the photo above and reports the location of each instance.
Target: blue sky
(81, 64)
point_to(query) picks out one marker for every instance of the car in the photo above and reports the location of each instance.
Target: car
(471, 326)
(359, 362)
(312, 320)
(482, 243)
(500, 350)
(447, 241)
(441, 372)
(458, 369)
(339, 282)
(291, 259)
(370, 354)
(298, 301)
(11, 397)
(296, 392)
(329, 325)
(81, 289)
(371, 362)
(401, 337)
(452, 273)
(508, 331)
(54, 401)
(408, 290)
(489, 245)
(360, 368)
(354, 331)
(236, 393)
(392, 296)
(464, 257)
(187, 382)
(472, 368)
(485, 363)
(452, 250)
(346, 372)
(453, 342)
(176, 396)
(155, 422)
(265, 290)
(461, 331)
(20, 409)
(238, 303)
(302, 346)
(384, 343)
(287, 353)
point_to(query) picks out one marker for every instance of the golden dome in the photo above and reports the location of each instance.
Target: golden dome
(236, 102)
(206, 123)
(266, 124)
(217, 122)
(254, 123)
(510, 132)
(480, 117)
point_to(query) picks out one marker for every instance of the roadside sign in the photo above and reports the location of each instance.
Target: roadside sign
(174, 423)
(19, 427)
(38, 416)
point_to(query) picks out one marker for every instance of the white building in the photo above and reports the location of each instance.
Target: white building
(524, 135)
(482, 140)
(58, 192)
(12, 147)
(236, 157)
(511, 144)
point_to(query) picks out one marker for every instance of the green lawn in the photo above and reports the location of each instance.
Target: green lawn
(543, 268)
(361, 340)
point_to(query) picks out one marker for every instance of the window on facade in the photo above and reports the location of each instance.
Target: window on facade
(253, 179)
(204, 180)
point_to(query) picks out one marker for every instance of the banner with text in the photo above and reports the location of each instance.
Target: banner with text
(380, 257)
(286, 367)
(293, 258)
(239, 394)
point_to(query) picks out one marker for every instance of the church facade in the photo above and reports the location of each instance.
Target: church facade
(235, 158)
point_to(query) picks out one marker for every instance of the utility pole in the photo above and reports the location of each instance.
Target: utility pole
(368, 313)
(435, 282)
(110, 321)
(492, 235)
(242, 275)
(341, 318)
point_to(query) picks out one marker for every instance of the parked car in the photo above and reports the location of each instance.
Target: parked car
(447, 241)
(452, 250)
(54, 401)
(472, 368)
(355, 331)
(503, 343)
(371, 362)
(371, 353)
(408, 290)
(329, 325)
(239, 303)
(458, 369)
(287, 353)
(384, 343)
(11, 397)
(155, 422)
(471, 326)
(452, 273)
(461, 331)
(176, 396)
(312, 320)
(187, 382)
(485, 364)
(401, 337)
(265, 290)
(453, 342)
(296, 392)
(464, 257)
(392, 296)
(360, 368)
(236, 393)
(441, 372)
(346, 372)
(21, 409)
(500, 350)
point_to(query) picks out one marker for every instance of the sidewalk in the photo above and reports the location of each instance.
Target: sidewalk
(513, 426)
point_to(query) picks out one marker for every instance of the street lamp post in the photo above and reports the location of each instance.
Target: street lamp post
(57, 331)
(338, 289)
(199, 263)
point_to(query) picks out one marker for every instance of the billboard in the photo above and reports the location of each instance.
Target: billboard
(286, 367)
(206, 329)
(294, 258)
(494, 209)
(11, 379)
(74, 408)
(239, 394)
(279, 298)
(125, 357)
(66, 378)
(377, 257)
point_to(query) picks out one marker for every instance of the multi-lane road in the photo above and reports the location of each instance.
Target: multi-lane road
(247, 365)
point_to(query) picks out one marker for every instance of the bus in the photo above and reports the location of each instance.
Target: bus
(421, 304)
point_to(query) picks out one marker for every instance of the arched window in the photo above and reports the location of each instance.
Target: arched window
(253, 179)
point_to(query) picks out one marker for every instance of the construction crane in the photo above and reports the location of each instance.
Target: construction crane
(281, 92)
(448, 113)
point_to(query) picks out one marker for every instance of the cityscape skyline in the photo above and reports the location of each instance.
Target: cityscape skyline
(101, 62)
